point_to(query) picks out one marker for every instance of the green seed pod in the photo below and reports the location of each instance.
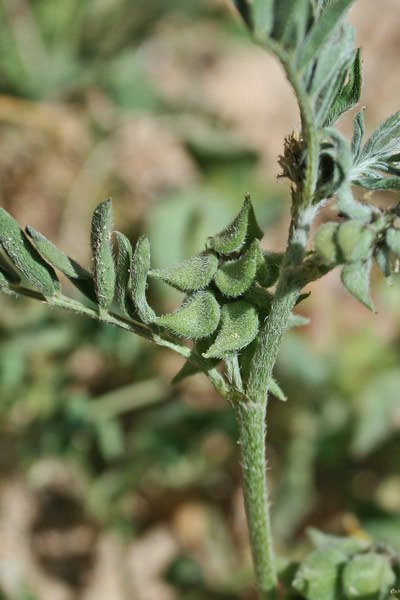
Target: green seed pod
(318, 575)
(81, 278)
(7, 274)
(325, 243)
(259, 297)
(140, 269)
(393, 240)
(239, 327)
(123, 270)
(25, 257)
(243, 228)
(355, 278)
(197, 318)
(234, 277)
(191, 275)
(355, 240)
(100, 241)
(368, 576)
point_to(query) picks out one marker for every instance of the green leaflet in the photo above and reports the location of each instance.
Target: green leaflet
(355, 241)
(318, 576)
(244, 228)
(384, 140)
(291, 22)
(297, 320)
(321, 30)
(100, 242)
(379, 184)
(75, 273)
(262, 18)
(140, 269)
(234, 277)
(197, 318)
(355, 278)
(349, 95)
(393, 240)
(25, 257)
(191, 275)
(7, 274)
(325, 243)
(123, 269)
(368, 576)
(347, 545)
(239, 327)
(275, 389)
(358, 135)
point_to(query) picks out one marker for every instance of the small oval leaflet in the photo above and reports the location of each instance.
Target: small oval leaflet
(355, 278)
(355, 240)
(393, 240)
(192, 274)
(140, 269)
(318, 575)
(25, 257)
(123, 268)
(325, 243)
(197, 318)
(244, 227)
(239, 327)
(81, 278)
(100, 241)
(234, 277)
(368, 576)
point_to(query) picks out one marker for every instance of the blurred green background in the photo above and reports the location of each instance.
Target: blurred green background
(113, 484)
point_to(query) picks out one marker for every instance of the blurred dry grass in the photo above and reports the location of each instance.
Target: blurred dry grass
(58, 158)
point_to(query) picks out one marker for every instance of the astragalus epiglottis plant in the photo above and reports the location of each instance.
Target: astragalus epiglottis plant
(239, 298)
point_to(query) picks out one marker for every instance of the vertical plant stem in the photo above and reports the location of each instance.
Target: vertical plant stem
(252, 431)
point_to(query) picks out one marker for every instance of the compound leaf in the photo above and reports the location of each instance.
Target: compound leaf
(197, 318)
(239, 327)
(100, 241)
(25, 257)
(191, 275)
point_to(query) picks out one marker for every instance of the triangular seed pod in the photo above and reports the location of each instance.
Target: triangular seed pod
(234, 277)
(325, 243)
(239, 327)
(25, 257)
(244, 226)
(197, 318)
(393, 240)
(192, 274)
(355, 240)
(355, 278)
(140, 270)
(100, 241)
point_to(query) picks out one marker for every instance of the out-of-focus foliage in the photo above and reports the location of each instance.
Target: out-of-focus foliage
(103, 97)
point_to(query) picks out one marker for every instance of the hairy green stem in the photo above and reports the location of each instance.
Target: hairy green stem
(252, 430)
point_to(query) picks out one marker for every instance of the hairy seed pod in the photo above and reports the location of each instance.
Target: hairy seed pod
(393, 240)
(192, 274)
(140, 270)
(355, 241)
(244, 228)
(197, 318)
(239, 327)
(368, 576)
(325, 243)
(234, 277)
